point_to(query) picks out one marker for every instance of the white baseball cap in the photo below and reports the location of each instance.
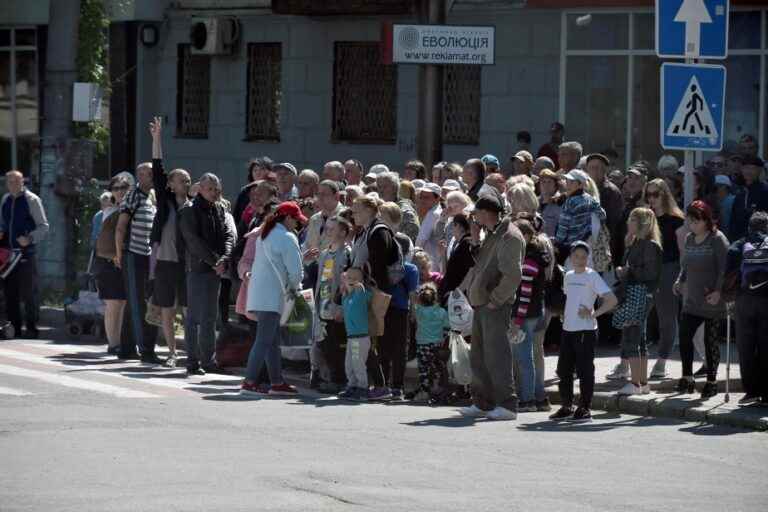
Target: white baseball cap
(451, 185)
(432, 187)
(722, 179)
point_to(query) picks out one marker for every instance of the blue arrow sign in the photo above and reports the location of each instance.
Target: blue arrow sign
(695, 29)
(692, 106)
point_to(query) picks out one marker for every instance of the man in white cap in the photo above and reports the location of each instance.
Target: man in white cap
(429, 234)
(575, 222)
(450, 186)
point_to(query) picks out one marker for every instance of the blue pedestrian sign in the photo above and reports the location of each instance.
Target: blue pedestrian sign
(693, 29)
(692, 106)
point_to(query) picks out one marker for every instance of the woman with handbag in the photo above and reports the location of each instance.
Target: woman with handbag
(109, 278)
(275, 278)
(639, 277)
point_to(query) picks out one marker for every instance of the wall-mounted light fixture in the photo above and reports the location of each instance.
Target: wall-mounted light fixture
(148, 35)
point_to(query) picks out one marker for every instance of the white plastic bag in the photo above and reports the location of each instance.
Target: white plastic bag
(460, 313)
(459, 367)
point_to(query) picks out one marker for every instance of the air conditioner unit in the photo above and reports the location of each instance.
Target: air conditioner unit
(214, 36)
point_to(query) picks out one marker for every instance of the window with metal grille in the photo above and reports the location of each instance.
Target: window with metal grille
(461, 104)
(193, 93)
(264, 91)
(364, 95)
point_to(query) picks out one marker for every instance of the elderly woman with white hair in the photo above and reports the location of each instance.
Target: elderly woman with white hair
(388, 184)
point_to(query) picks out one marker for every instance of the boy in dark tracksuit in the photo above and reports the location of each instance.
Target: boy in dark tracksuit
(582, 287)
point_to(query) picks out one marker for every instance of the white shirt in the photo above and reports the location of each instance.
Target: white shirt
(428, 238)
(582, 289)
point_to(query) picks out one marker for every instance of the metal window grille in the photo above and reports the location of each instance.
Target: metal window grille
(364, 95)
(193, 93)
(461, 104)
(264, 91)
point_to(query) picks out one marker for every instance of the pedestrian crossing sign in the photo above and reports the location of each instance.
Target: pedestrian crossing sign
(692, 106)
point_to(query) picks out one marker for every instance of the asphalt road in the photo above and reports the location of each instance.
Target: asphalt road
(81, 432)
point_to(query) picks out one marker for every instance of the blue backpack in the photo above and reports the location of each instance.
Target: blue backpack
(754, 265)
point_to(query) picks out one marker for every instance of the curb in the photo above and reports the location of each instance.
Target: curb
(671, 406)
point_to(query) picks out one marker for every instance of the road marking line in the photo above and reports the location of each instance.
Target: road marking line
(71, 382)
(138, 377)
(13, 392)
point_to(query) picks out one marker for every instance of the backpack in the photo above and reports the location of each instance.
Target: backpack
(554, 296)
(754, 265)
(396, 269)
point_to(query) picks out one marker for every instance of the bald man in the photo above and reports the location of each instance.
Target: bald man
(22, 226)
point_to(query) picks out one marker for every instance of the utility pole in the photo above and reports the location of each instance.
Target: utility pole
(60, 75)
(429, 140)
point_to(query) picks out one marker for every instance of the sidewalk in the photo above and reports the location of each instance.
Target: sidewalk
(664, 401)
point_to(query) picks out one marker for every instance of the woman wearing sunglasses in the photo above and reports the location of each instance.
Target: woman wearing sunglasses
(670, 220)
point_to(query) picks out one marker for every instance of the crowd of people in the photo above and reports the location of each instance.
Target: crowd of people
(561, 248)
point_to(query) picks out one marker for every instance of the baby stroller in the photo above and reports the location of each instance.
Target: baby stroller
(84, 313)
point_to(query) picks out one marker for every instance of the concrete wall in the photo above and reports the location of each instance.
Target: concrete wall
(24, 12)
(519, 93)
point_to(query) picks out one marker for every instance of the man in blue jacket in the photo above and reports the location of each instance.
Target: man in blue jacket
(22, 226)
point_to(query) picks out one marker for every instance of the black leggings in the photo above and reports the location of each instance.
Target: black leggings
(712, 328)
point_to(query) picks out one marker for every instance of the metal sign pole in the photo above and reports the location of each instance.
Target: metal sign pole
(690, 165)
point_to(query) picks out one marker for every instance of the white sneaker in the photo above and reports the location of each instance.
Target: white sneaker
(629, 389)
(659, 370)
(501, 414)
(645, 389)
(620, 372)
(472, 411)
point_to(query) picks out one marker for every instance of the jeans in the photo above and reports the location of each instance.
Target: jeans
(752, 339)
(577, 352)
(140, 334)
(634, 337)
(200, 323)
(333, 348)
(354, 362)
(538, 354)
(491, 359)
(21, 286)
(523, 353)
(394, 345)
(266, 348)
(667, 309)
(688, 325)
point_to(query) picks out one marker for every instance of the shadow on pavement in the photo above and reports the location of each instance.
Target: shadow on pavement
(565, 426)
(326, 401)
(451, 422)
(708, 429)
